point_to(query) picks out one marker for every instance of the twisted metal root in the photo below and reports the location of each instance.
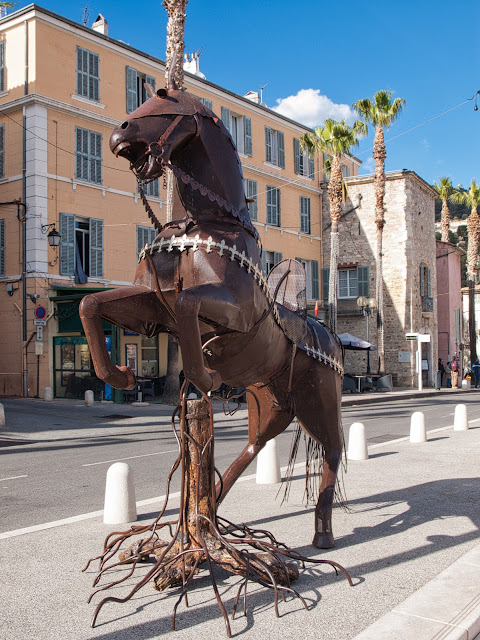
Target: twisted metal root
(201, 538)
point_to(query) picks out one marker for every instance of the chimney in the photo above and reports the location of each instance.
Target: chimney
(253, 96)
(191, 64)
(100, 25)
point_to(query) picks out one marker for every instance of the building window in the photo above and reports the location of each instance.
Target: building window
(252, 195)
(88, 155)
(346, 172)
(304, 214)
(351, 283)
(145, 235)
(240, 128)
(2, 247)
(304, 164)
(273, 206)
(327, 165)
(270, 259)
(275, 147)
(2, 150)
(426, 288)
(311, 272)
(81, 247)
(149, 357)
(208, 103)
(88, 80)
(151, 188)
(2, 65)
(135, 83)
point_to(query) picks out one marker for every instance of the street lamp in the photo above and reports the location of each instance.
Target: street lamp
(53, 237)
(368, 306)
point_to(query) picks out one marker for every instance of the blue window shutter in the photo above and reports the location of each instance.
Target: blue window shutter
(226, 117)
(2, 66)
(268, 144)
(2, 247)
(422, 285)
(131, 85)
(325, 283)
(93, 80)
(96, 248)
(314, 265)
(150, 80)
(277, 257)
(247, 131)
(67, 244)
(252, 194)
(311, 166)
(264, 261)
(2, 151)
(281, 149)
(296, 155)
(279, 219)
(363, 281)
(207, 103)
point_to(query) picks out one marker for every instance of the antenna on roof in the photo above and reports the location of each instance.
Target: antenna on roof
(261, 92)
(86, 15)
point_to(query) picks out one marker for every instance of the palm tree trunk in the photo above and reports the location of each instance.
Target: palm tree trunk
(171, 391)
(379, 155)
(445, 222)
(335, 200)
(175, 33)
(473, 227)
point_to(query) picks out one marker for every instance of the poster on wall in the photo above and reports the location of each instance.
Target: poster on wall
(131, 357)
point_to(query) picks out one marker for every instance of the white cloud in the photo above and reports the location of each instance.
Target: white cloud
(311, 108)
(368, 166)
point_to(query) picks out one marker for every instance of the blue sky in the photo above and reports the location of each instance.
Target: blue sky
(426, 52)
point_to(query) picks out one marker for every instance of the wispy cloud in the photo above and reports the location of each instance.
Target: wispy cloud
(311, 108)
(368, 166)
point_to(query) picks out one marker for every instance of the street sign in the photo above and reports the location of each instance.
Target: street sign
(39, 333)
(40, 312)
(39, 323)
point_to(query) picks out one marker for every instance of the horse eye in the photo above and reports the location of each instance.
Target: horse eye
(124, 125)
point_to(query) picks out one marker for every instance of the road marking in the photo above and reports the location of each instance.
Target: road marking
(144, 455)
(12, 478)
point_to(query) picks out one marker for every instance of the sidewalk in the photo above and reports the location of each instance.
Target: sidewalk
(410, 542)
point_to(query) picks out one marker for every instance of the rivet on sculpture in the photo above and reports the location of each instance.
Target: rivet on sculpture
(201, 281)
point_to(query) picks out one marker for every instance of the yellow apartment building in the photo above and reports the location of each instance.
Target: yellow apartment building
(63, 87)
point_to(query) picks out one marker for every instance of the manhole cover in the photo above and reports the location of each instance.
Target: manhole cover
(385, 438)
(115, 416)
(14, 443)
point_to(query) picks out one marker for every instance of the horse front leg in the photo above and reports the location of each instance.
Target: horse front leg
(129, 307)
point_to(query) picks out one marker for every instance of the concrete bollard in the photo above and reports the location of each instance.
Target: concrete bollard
(418, 433)
(120, 504)
(357, 442)
(89, 400)
(48, 394)
(268, 464)
(2, 416)
(460, 420)
(466, 384)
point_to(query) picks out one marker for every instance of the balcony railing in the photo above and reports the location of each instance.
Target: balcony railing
(348, 307)
(427, 304)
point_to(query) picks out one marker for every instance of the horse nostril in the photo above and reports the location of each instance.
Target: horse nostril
(124, 125)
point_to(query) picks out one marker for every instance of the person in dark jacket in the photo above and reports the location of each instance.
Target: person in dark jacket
(476, 373)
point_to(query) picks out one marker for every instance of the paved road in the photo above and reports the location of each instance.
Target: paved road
(62, 472)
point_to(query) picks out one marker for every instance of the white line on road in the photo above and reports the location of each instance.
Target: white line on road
(12, 478)
(144, 455)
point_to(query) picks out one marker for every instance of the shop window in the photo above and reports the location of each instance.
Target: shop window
(135, 84)
(149, 357)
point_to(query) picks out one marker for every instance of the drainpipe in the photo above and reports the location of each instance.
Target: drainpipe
(24, 225)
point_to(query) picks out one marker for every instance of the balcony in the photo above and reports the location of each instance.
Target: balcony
(348, 307)
(427, 304)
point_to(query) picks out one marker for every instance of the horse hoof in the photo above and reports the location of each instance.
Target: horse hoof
(323, 540)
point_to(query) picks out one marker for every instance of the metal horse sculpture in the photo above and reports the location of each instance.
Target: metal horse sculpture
(201, 281)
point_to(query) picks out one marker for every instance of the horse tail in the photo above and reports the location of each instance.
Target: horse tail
(314, 460)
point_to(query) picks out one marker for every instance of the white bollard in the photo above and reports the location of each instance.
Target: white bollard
(460, 420)
(268, 464)
(120, 504)
(466, 385)
(2, 416)
(418, 433)
(48, 394)
(89, 400)
(357, 443)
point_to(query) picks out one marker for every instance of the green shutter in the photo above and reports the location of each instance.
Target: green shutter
(131, 84)
(207, 103)
(279, 218)
(422, 285)
(252, 194)
(429, 283)
(311, 166)
(296, 155)
(315, 292)
(2, 247)
(226, 117)
(264, 261)
(281, 149)
(363, 281)
(268, 144)
(67, 244)
(96, 248)
(2, 66)
(150, 80)
(277, 257)
(247, 131)
(2, 151)
(325, 282)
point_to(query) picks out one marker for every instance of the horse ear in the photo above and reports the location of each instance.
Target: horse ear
(171, 84)
(149, 89)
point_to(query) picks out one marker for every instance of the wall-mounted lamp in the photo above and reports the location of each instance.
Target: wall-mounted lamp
(54, 236)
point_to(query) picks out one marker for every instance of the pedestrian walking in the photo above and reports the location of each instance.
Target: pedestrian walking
(441, 368)
(448, 375)
(454, 368)
(476, 373)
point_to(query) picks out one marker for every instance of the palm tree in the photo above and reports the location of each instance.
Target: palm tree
(336, 139)
(472, 199)
(381, 113)
(445, 191)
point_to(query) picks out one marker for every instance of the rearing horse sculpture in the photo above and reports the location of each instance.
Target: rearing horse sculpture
(201, 281)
